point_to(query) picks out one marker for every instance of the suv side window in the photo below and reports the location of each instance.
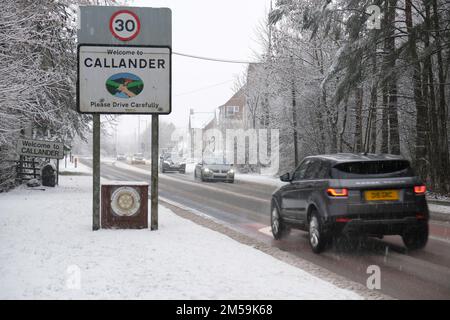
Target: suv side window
(312, 172)
(300, 171)
(324, 171)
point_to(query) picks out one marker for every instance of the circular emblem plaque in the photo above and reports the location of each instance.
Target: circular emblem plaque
(125, 201)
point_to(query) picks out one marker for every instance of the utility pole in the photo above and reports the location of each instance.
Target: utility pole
(146, 146)
(154, 182)
(96, 173)
(136, 140)
(139, 134)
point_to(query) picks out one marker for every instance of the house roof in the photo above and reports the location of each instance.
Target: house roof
(200, 120)
(238, 99)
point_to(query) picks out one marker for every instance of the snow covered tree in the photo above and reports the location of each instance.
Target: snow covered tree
(38, 70)
(363, 76)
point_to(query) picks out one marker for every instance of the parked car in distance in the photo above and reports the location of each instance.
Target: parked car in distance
(353, 194)
(168, 164)
(137, 158)
(121, 157)
(214, 169)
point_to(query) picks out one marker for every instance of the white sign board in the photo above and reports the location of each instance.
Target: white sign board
(124, 79)
(40, 149)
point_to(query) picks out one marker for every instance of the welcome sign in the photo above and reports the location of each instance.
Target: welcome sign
(40, 149)
(124, 79)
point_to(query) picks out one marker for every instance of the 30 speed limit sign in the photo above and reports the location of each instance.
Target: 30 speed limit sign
(124, 25)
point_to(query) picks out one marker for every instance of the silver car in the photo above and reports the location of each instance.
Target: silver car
(138, 158)
(214, 169)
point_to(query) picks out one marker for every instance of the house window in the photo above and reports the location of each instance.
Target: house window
(231, 111)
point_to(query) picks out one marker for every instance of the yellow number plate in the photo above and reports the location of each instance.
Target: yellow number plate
(381, 195)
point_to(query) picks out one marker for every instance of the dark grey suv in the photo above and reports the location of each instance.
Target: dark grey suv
(355, 194)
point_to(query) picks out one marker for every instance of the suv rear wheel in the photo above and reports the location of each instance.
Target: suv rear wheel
(416, 237)
(317, 238)
(279, 228)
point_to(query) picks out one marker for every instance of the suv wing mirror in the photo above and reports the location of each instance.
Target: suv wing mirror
(286, 177)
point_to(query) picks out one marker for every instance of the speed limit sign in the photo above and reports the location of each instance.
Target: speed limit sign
(124, 25)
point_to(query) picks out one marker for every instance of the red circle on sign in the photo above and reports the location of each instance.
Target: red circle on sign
(138, 25)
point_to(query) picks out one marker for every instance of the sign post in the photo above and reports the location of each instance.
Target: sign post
(155, 180)
(96, 173)
(124, 67)
(57, 172)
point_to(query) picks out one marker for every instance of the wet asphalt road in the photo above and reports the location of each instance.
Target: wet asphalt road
(244, 206)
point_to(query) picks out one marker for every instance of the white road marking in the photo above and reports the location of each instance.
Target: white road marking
(439, 239)
(266, 231)
(191, 210)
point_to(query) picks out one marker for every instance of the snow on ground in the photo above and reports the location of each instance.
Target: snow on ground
(438, 208)
(49, 251)
(81, 168)
(261, 179)
(437, 196)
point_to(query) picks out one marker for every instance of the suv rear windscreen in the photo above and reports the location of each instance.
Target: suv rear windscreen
(372, 169)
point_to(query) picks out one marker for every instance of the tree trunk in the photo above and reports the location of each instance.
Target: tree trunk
(321, 128)
(420, 162)
(434, 160)
(394, 136)
(344, 125)
(385, 122)
(294, 120)
(372, 123)
(373, 127)
(358, 119)
(444, 183)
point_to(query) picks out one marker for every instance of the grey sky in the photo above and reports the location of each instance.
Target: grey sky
(211, 28)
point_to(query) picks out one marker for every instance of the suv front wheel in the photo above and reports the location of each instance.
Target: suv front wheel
(279, 229)
(317, 237)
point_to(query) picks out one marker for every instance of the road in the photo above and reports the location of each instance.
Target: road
(423, 274)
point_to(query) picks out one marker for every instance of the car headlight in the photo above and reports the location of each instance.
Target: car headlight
(231, 171)
(206, 170)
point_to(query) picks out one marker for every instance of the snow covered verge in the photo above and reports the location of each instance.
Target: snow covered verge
(48, 251)
(81, 169)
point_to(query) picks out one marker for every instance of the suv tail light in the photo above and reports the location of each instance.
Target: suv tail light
(344, 220)
(337, 192)
(420, 189)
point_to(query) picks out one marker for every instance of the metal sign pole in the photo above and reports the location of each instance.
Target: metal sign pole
(154, 184)
(96, 173)
(57, 172)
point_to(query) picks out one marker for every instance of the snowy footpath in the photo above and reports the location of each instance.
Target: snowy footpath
(48, 251)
